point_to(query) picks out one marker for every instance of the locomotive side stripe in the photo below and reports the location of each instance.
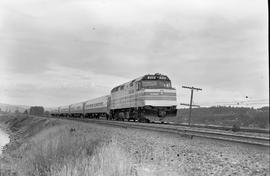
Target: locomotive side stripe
(144, 98)
(160, 94)
(158, 98)
(160, 103)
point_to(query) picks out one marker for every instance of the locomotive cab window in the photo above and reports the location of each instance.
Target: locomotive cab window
(138, 85)
(156, 84)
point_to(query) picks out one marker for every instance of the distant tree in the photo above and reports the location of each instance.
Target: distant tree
(47, 113)
(265, 109)
(262, 119)
(36, 110)
(17, 111)
(25, 112)
(236, 127)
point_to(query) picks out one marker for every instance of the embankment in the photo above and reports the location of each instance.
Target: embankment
(42, 146)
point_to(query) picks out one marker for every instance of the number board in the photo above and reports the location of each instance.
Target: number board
(156, 77)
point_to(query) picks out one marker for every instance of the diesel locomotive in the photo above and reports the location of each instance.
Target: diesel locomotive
(145, 99)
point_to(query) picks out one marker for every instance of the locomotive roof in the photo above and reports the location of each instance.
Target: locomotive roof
(128, 83)
(145, 77)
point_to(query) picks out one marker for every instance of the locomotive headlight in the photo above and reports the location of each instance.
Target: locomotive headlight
(161, 92)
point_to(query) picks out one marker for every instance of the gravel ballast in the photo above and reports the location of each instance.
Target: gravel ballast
(156, 153)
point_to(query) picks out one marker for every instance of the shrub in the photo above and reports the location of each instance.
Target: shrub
(36, 110)
(235, 127)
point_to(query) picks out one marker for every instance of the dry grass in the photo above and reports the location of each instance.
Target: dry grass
(106, 160)
(66, 151)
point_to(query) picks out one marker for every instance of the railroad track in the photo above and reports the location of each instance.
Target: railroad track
(228, 128)
(187, 131)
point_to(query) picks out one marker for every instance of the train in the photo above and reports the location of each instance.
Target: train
(148, 98)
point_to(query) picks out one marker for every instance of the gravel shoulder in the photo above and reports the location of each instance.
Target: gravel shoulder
(156, 153)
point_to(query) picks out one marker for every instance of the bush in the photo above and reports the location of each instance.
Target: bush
(236, 127)
(36, 110)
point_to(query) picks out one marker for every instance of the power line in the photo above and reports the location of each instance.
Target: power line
(236, 104)
(235, 101)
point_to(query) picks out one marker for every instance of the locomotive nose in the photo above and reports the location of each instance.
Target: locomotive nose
(159, 97)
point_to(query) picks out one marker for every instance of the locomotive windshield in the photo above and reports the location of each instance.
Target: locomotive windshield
(155, 81)
(156, 84)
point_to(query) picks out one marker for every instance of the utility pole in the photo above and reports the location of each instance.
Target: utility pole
(191, 100)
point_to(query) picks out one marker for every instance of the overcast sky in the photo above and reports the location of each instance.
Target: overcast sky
(57, 52)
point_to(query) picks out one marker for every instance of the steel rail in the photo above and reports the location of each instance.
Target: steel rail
(238, 138)
(226, 128)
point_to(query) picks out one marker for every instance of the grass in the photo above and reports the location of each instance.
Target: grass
(227, 116)
(62, 152)
(67, 150)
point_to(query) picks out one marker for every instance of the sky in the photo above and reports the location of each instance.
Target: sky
(58, 52)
